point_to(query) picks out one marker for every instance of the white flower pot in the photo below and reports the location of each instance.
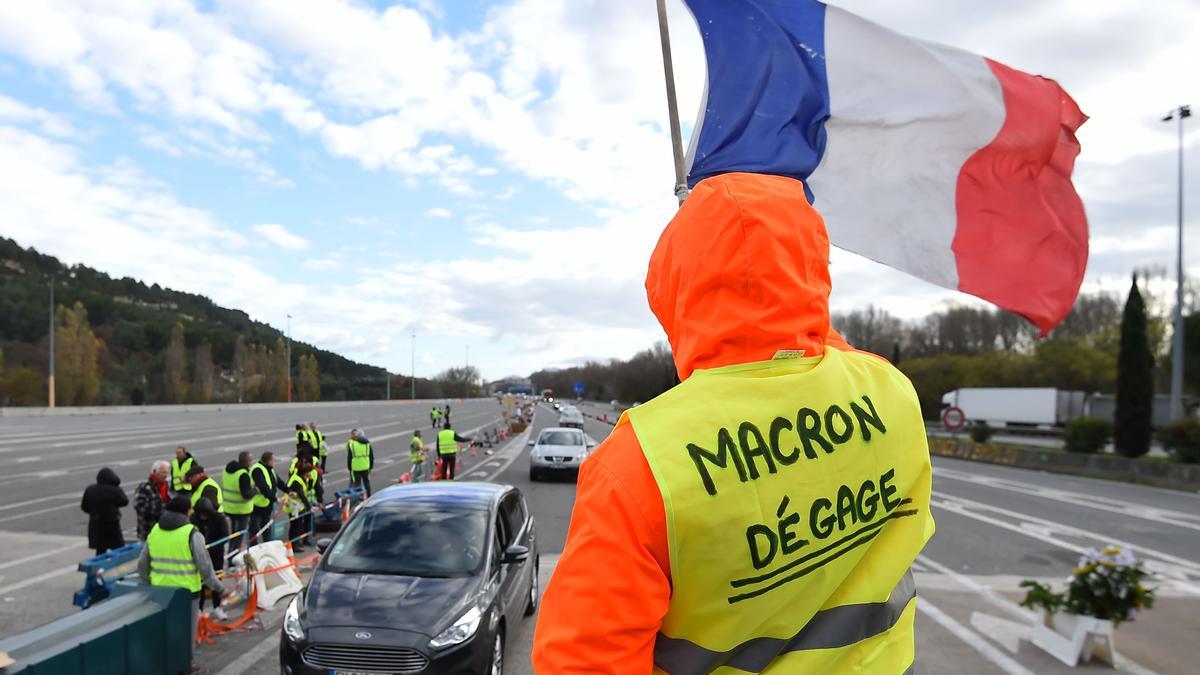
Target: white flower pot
(1072, 638)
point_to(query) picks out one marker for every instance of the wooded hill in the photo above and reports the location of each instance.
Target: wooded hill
(119, 341)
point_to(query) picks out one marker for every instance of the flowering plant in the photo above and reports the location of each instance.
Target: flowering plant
(1107, 585)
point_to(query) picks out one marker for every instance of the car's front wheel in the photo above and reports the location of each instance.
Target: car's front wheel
(533, 475)
(497, 667)
(531, 608)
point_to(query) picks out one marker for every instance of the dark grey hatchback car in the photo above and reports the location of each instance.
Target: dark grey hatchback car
(425, 578)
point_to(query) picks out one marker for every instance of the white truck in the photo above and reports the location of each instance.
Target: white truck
(1037, 407)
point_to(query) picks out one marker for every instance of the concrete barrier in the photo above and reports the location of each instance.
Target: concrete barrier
(203, 407)
(1161, 474)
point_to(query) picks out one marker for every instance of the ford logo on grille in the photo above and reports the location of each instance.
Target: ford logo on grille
(363, 635)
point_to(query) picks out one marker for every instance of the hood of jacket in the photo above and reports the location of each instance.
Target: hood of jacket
(107, 476)
(741, 273)
(170, 520)
(233, 466)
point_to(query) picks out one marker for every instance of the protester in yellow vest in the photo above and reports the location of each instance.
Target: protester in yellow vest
(447, 447)
(360, 459)
(174, 557)
(317, 438)
(762, 515)
(179, 468)
(266, 485)
(416, 448)
(237, 493)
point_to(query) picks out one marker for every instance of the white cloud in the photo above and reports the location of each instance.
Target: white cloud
(438, 212)
(12, 110)
(278, 235)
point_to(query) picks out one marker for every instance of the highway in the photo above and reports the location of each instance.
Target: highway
(996, 526)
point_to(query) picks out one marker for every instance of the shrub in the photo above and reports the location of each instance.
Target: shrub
(981, 432)
(1087, 435)
(1182, 439)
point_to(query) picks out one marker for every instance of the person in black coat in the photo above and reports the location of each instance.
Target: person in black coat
(103, 501)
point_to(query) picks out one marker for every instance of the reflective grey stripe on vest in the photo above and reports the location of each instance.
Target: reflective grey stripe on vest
(828, 629)
(171, 561)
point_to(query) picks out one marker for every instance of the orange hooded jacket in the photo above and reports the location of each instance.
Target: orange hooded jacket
(741, 272)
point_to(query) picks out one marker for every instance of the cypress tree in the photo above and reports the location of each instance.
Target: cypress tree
(1135, 380)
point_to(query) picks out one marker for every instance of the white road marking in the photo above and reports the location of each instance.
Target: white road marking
(972, 639)
(964, 507)
(29, 502)
(43, 554)
(38, 579)
(258, 652)
(1099, 503)
(23, 460)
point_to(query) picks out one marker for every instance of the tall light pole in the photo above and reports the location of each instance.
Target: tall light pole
(1181, 113)
(51, 383)
(387, 389)
(289, 358)
(413, 370)
(467, 392)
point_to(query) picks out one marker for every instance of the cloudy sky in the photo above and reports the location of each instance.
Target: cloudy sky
(488, 175)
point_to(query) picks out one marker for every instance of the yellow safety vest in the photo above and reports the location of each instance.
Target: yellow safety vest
(297, 480)
(313, 477)
(171, 561)
(360, 455)
(231, 492)
(322, 448)
(797, 496)
(260, 500)
(446, 443)
(178, 473)
(196, 494)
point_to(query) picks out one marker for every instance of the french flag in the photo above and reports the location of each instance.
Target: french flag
(928, 159)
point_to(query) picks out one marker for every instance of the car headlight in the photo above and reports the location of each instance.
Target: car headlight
(460, 631)
(291, 621)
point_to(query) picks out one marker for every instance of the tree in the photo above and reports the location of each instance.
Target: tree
(23, 386)
(241, 366)
(1135, 380)
(202, 383)
(77, 380)
(175, 384)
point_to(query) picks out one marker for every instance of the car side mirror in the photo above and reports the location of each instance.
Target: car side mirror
(530, 443)
(591, 444)
(323, 544)
(515, 554)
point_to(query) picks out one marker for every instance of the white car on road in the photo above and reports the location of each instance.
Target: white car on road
(570, 416)
(558, 450)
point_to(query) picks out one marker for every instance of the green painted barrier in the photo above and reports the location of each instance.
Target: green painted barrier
(140, 629)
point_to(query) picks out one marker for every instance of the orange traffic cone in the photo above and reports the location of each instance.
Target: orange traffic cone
(345, 511)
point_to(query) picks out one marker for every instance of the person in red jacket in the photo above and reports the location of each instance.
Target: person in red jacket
(740, 283)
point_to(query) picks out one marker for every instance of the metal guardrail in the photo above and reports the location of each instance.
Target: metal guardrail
(139, 629)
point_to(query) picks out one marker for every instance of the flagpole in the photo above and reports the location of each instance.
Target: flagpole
(681, 189)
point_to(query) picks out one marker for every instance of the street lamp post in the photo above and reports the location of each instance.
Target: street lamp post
(1181, 113)
(51, 383)
(413, 370)
(289, 358)
(467, 373)
(387, 388)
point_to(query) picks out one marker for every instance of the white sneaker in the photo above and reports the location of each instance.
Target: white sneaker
(218, 614)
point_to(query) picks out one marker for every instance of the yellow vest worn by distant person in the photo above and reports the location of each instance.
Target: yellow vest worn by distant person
(797, 496)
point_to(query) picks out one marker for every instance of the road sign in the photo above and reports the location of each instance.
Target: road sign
(578, 388)
(953, 418)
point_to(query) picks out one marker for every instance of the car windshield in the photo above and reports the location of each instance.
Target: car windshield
(560, 438)
(419, 541)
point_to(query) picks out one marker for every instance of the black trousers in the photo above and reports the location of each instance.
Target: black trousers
(448, 462)
(258, 519)
(299, 529)
(239, 523)
(361, 479)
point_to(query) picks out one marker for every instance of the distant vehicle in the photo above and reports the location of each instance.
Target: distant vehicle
(1038, 407)
(570, 416)
(548, 395)
(558, 406)
(431, 577)
(614, 403)
(558, 450)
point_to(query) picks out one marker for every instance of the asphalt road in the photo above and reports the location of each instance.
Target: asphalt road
(996, 526)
